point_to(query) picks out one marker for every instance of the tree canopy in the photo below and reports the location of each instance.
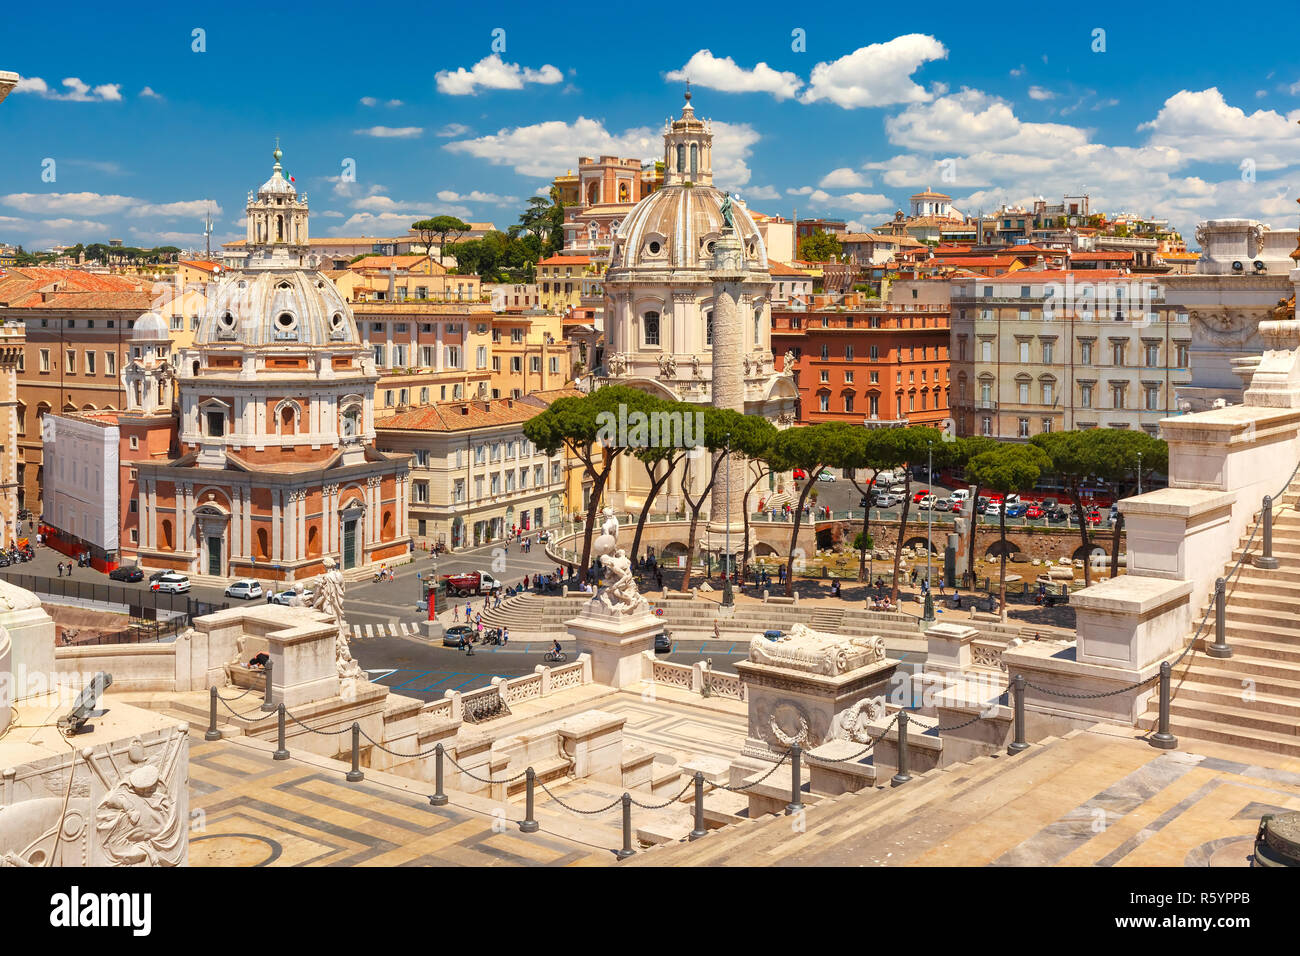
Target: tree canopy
(820, 246)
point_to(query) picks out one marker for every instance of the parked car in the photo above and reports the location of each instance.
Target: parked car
(157, 575)
(247, 589)
(947, 504)
(1033, 511)
(284, 597)
(663, 643)
(898, 489)
(916, 497)
(886, 499)
(825, 476)
(1049, 503)
(1093, 517)
(799, 474)
(457, 635)
(992, 509)
(961, 494)
(1016, 509)
(1057, 514)
(172, 583)
(925, 502)
(126, 573)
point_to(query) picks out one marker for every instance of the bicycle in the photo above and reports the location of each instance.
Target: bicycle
(553, 657)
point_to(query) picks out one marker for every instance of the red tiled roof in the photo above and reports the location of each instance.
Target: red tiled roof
(566, 261)
(781, 269)
(1101, 257)
(1057, 275)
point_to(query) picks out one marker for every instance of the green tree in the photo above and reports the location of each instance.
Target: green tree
(660, 460)
(1121, 451)
(959, 454)
(441, 227)
(820, 246)
(812, 448)
(1074, 457)
(581, 426)
(870, 450)
(907, 448)
(1007, 469)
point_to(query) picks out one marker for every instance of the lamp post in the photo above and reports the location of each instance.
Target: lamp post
(928, 613)
(1139, 472)
(728, 596)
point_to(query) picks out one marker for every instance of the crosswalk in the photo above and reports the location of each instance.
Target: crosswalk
(362, 632)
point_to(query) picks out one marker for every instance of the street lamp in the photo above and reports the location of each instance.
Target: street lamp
(728, 596)
(1139, 472)
(928, 613)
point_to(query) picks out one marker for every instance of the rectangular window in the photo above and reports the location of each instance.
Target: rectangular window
(481, 355)
(216, 424)
(1047, 425)
(381, 355)
(848, 402)
(1117, 354)
(875, 378)
(1085, 396)
(1048, 350)
(555, 472)
(826, 352)
(1085, 353)
(426, 356)
(496, 363)
(70, 361)
(1152, 398)
(539, 474)
(453, 356)
(421, 491)
(986, 426)
(1024, 353)
(1182, 355)
(110, 363)
(90, 362)
(875, 353)
(848, 377)
(517, 336)
(825, 376)
(555, 365)
(1022, 427)
(848, 352)
(399, 356)
(986, 351)
(1117, 396)
(535, 364)
(422, 457)
(1049, 393)
(516, 363)
(1151, 356)
(824, 402)
(1023, 389)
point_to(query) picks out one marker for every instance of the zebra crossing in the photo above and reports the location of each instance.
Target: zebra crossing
(362, 632)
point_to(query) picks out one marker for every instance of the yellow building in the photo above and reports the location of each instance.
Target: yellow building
(413, 278)
(529, 354)
(561, 280)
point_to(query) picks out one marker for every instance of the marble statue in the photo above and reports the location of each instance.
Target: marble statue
(328, 597)
(697, 367)
(814, 652)
(621, 595)
(668, 366)
(850, 723)
(605, 542)
(138, 821)
(791, 362)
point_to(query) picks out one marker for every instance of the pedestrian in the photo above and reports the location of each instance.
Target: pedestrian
(468, 641)
(717, 632)
(455, 613)
(468, 611)
(505, 636)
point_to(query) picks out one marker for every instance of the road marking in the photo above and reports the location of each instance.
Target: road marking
(369, 631)
(356, 631)
(412, 680)
(731, 648)
(380, 675)
(473, 678)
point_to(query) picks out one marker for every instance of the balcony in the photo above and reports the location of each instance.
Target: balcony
(985, 406)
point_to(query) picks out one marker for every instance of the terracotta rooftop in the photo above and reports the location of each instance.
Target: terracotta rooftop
(466, 415)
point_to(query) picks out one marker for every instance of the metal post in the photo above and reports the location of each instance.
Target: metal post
(528, 824)
(1162, 739)
(796, 782)
(928, 613)
(627, 850)
(1018, 689)
(1266, 561)
(699, 830)
(267, 706)
(281, 752)
(902, 776)
(439, 799)
(213, 733)
(355, 773)
(1220, 649)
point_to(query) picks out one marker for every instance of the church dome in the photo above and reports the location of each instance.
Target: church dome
(277, 307)
(675, 227)
(277, 185)
(150, 326)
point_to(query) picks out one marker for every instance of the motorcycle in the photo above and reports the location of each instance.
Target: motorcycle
(492, 635)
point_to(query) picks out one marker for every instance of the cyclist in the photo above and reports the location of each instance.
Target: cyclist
(555, 648)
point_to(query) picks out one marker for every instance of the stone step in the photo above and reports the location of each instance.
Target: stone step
(1256, 668)
(1239, 717)
(1210, 672)
(1218, 696)
(1254, 581)
(1248, 614)
(1196, 728)
(1254, 644)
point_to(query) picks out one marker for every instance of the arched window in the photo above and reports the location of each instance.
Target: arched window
(695, 160)
(708, 327)
(313, 542)
(351, 422)
(263, 544)
(279, 228)
(287, 420)
(681, 158)
(650, 325)
(386, 526)
(166, 534)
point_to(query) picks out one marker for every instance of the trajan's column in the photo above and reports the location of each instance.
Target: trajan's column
(728, 272)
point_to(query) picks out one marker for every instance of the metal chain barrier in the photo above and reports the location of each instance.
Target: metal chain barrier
(255, 715)
(474, 776)
(667, 803)
(965, 723)
(394, 753)
(871, 742)
(745, 786)
(240, 697)
(1098, 696)
(585, 813)
(323, 733)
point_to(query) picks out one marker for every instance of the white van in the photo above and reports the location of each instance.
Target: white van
(961, 494)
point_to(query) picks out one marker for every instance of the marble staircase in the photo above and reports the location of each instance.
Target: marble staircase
(1251, 699)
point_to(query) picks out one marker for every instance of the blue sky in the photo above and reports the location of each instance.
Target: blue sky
(1189, 115)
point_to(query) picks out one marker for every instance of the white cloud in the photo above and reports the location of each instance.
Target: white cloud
(493, 73)
(93, 204)
(971, 119)
(799, 190)
(547, 149)
(390, 223)
(843, 178)
(762, 192)
(391, 132)
(722, 73)
(875, 75)
(1039, 93)
(373, 101)
(74, 90)
(1017, 71)
(148, 94)
(453, 129)
(861, 202)
(1294, 88)
(448, 195)
(1204, 127)
(197, 208)
(328, 213)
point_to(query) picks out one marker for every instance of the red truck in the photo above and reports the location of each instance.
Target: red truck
(471, 582)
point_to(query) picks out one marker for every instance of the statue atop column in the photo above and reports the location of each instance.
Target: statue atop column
(728, 221)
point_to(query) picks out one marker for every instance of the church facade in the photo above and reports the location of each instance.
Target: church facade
(274, 465)
(688, 303)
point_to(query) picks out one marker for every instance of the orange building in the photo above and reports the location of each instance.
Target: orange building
(275, 466)
(865, 361)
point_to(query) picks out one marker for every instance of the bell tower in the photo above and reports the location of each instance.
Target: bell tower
(688, 149)
(277, 222)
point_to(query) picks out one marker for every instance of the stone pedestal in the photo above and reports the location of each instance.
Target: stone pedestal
(303, 660)
(1131, 621)
(797, 702)
(614, 641)
(32, 638)
(947, 648)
